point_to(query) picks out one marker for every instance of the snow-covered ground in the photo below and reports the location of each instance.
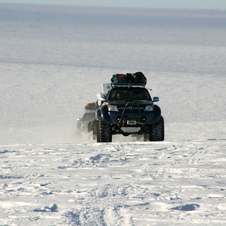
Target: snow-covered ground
(52, 62)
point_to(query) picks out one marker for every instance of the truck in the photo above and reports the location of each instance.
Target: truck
(126, 107)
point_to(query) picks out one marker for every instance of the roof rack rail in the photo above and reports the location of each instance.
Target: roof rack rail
(128, 84)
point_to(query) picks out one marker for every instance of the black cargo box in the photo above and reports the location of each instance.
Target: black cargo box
(136, 79)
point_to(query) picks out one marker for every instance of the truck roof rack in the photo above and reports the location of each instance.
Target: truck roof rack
(128, 79)
(128, 84)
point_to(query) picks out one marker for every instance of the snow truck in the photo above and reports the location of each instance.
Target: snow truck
(84, 123)
(126, 107)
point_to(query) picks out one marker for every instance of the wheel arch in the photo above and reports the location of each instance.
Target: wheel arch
(157, 114)
(104, 114)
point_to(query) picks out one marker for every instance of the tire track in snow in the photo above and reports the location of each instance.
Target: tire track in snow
(113, 184)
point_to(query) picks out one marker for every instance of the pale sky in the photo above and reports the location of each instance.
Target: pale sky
(133, 3)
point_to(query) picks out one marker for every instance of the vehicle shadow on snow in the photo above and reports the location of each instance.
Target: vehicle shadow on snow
(187, 207)
(81, 137)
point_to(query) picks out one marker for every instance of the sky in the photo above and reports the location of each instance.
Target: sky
(132, 3)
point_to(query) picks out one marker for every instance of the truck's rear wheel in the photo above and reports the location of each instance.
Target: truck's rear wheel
(146, 136)
(95, 130)
(156, 132)
(104, 133)
(90, 127)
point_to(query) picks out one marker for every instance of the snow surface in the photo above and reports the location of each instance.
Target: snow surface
(52, 62)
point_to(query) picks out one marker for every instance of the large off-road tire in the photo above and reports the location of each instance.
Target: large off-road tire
(95, 130)
(156, 132)
(146, 136)
(104, 133)
(90, 127)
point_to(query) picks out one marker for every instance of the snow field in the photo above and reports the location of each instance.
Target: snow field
(52, 62)
(114, 184)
